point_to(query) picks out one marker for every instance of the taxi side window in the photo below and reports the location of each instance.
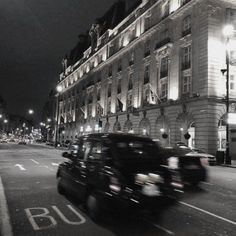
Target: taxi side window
(96, 150)
(84, 149)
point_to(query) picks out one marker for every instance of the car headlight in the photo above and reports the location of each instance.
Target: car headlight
(173, 162)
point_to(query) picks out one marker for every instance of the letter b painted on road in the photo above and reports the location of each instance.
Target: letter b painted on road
(40, 219)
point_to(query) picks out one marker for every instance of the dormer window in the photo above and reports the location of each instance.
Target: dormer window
(186, 27)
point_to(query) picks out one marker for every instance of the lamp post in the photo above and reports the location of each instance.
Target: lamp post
(227, 31)
(59, 89)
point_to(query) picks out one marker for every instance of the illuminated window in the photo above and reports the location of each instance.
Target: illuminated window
(165, 10)
(129, 99)
(232, 83)
(164, 88)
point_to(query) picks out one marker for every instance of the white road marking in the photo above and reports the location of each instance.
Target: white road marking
(34, 161)
(55, 164)
(207, 183)
(20, 166)
(82, 219)
(47, 167)
(160, 227)
(209, 213)
(5, 225)
(164, 229)
(44, 214)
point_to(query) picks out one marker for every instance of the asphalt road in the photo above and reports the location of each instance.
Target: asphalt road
(30, 204)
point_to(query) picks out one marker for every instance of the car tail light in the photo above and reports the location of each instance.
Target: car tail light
(114, 184)
(173, 162)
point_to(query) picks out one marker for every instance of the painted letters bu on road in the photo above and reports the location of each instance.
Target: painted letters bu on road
(39, 215)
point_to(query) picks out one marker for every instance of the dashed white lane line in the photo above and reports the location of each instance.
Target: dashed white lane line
(207, 183)
(34, 161)
(164, 229)
(209, 213)
(5, 225)
(160, 227)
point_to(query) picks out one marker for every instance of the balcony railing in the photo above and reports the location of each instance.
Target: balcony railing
(163, 42)
(147, 53)
(186, 32)
(186, 65)
(164, 74)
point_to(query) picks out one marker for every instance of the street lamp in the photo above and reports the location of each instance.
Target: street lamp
(227, 32)
(59, 90)
(30, 111)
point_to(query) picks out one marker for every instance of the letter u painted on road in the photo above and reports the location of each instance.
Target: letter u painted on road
(40, 219)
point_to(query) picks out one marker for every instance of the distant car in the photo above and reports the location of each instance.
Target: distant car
(3, 141)
(22, 142)
(185, 165)
(210, 158)
(12, 140)
(107, 171)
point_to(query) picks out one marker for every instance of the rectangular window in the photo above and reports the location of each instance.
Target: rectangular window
(164, 89)
(147, 48)
(130, 83)
(147, 74)
(186, 27)
(119, 86)
(164, 35)
(119, 65)
(109, 90)
(186, 84)
(129, 99)
(164, 67)
(186, 57)
(232, 83)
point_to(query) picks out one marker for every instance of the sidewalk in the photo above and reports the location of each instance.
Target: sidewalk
(233, 164)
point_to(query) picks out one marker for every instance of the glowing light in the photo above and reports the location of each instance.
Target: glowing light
(59, 88)
(31, 111)
(162, 130)
(231, 118)
(228, 30)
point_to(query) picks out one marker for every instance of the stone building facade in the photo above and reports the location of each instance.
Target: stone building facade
(158, 72)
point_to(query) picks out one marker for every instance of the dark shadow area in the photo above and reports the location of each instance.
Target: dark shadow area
(129, 222)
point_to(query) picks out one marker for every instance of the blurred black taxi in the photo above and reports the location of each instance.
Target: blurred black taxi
(115, 170)
(187, 166)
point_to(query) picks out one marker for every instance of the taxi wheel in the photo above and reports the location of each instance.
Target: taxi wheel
(60, 189)
(93, 207)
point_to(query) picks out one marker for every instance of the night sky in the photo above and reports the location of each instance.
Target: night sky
(34, 37)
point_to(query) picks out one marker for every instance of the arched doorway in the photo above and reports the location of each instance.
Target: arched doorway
(191, 132)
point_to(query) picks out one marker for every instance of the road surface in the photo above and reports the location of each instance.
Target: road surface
(30, 204)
